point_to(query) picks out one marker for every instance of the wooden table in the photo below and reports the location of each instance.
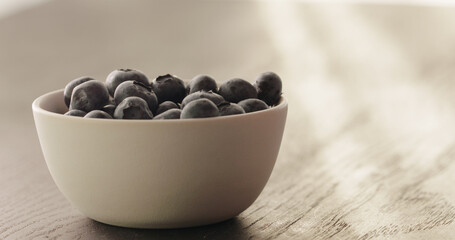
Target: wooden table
(369, 147)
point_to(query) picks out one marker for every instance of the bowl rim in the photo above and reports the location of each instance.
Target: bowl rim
(37, 108)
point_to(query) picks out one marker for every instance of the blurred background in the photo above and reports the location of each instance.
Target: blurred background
(336, 58)
(360, 77)
(320, 49)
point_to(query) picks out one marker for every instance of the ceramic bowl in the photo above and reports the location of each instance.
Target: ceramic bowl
(159, 173)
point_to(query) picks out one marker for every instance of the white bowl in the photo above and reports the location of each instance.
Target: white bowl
(159, 173)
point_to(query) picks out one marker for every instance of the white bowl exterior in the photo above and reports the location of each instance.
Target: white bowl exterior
(159, 174)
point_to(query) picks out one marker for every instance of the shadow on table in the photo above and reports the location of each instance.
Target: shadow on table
(229, 229)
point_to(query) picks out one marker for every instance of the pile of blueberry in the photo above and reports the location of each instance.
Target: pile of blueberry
(128, 94)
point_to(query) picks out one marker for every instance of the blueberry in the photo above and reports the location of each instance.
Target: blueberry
(202, 82)
(253, 105)
(110, 109)
(98, 114)
(200, 108)
(71, 85)
(215, 98)
(75, 113)
(236, 90)
(169, 88)
(164, 106)
(136, 89)
(121, 75)
(269, 88)
(90, 95)
(173, 113)
(133, 108)
(227, 108)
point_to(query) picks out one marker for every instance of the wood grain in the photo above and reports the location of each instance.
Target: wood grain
(368, 150)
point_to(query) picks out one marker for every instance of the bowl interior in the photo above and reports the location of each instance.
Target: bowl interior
(53, 103)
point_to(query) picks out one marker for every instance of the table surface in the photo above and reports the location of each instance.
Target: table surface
(369, 146)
